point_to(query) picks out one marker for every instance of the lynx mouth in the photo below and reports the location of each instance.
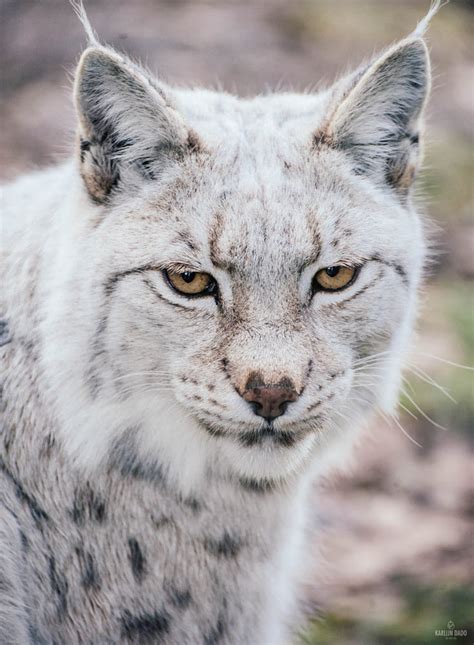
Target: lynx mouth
(265, 435)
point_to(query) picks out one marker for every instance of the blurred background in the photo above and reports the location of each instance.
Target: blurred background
(396, 539)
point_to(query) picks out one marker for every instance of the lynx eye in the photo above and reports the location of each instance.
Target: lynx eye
(334, 278)
(190, 283)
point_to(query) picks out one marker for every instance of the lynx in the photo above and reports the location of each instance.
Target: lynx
(199, 311)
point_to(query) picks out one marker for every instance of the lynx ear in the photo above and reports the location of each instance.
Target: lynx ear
(127, 123)
(377, 122)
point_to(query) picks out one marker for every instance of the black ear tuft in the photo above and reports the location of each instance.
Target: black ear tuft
(378, 120)
(127, 124)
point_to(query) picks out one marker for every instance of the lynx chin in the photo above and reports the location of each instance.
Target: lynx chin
(198, 312)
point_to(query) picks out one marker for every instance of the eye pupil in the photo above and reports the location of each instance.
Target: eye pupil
(188, 276)
(333, 271)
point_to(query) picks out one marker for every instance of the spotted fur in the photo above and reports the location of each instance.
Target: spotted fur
(142, 499)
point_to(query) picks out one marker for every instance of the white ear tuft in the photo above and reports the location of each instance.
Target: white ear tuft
(80, 12)
(423, 25)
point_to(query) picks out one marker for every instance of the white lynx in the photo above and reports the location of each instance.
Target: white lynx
(198, 312)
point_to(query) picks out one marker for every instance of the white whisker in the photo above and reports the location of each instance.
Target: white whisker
(389, 418)
(423, 414)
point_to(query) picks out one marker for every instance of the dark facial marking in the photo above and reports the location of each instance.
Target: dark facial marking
(98, 348)
(187, 240)
(267, 433)
(146, 627)
(211, 430)
(359, 293)
(227, 546)
(214, 238)
(395, 266)
(257, 486)
(158, 295)
(137, 560)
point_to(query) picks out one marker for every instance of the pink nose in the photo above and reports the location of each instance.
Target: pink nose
(269, 401)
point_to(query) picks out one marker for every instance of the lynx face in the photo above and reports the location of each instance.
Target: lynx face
(241, 260)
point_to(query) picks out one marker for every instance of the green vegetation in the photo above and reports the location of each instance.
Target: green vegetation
(425, 610)
(450, 317)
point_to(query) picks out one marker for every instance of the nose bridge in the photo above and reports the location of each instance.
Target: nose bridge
(272, 352)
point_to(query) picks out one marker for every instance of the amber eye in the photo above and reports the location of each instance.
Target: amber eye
(334, 278)
(190, 283)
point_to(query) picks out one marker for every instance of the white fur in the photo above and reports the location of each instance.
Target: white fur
(280, 186)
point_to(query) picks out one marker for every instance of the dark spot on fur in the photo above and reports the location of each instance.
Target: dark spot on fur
(215, 635)
(146, 627)
(225, 364)
(193, 143)
(35, 637)
(88, 505)
(227, 546)
(48, 446)
(25, 544)
(90, 578)
(211, 387)
(37, 513)
(192, 503)
(161, 522)
(59, 587)
(181, 599)
(137, 559)
(125, 459)
(5, 337)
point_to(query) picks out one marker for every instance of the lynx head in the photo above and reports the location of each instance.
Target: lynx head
(238, 262)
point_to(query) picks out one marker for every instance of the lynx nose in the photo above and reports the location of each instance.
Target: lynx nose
(269, 401)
